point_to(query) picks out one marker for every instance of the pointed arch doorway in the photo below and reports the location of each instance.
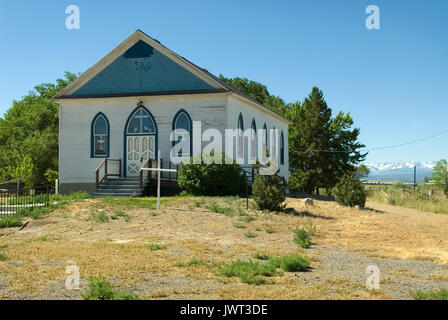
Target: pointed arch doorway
(140, 140)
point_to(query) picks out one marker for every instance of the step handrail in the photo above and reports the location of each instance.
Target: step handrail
(99, 177)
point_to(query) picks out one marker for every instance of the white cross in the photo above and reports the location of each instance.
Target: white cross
(158, 170)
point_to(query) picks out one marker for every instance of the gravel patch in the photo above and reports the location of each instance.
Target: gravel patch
(398, 277)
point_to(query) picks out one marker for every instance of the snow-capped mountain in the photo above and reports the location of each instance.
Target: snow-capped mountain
(400, 171)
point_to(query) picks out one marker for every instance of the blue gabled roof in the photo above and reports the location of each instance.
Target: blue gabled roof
(142, 69)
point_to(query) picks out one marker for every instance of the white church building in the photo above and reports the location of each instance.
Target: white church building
(121, 111)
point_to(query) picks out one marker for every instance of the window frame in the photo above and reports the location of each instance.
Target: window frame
(93, 135)
(175, 118)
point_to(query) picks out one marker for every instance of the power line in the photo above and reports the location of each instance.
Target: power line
(375, 149)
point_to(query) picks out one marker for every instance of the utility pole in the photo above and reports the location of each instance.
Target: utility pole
(415, 176)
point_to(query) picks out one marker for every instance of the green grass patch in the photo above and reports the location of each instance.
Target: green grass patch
(247, 218)
(269, 229)
(250, 234)
(248, 272)
(261, 256)
(440, 294)
(100, 289)
(155, 246)
(120, 213)
(290, 263)
(196, 262)
(141, 202)
(403, 195)
(3, 257)
(3, 246)
(219, 209)
(239, 225)
(13, 220)
(98, 216)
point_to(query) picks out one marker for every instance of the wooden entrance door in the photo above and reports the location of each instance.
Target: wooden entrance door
(139, 149)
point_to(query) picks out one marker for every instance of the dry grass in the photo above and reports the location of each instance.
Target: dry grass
(118, 249)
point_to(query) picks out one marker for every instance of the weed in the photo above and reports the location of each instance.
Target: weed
(239, 225)
(3, 257)
(13, 220)
(269, 229)
(440, 294)
(261, 256)
(155, 246)
(121, 213)
(248, 272)
(250, 234)
(100, 289)
(248, 218)
(290, 263)
(218, 209)
(196, 262)
(99, 217)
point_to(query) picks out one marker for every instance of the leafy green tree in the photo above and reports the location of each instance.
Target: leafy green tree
(362, 172)
(29, 135)
(440, 175)
(258, 92)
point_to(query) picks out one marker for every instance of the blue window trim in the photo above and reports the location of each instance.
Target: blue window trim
(254, 126)
(265, 128)
(282, 149)
(92, 135)
(125, 135)
(240, 118)
(178, 113)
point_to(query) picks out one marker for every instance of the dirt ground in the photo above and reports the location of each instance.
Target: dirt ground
(408, 246)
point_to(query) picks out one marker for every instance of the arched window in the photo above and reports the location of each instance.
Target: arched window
(182, 120)
(141, 123)
(274, 146)
(253, 136)
(282, 149)
(99, 137)
(265, 137)
(240, 142)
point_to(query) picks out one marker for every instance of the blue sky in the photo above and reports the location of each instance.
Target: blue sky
(393, 81)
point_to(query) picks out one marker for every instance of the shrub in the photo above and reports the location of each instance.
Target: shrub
(349, 191)
(440, 294)
(3, 257)
(303, 238)
(100, 289)
(290, 263)
(269, 192)
(212, 179)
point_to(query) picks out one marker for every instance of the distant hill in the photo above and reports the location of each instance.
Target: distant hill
(400, 171)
